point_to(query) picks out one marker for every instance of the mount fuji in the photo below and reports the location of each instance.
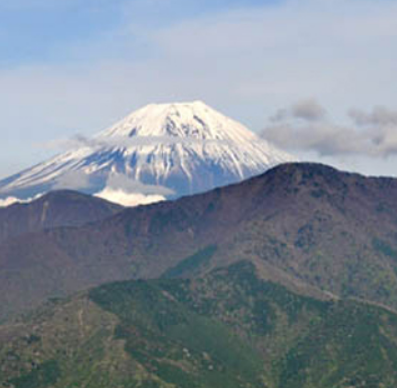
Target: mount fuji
(161, 151)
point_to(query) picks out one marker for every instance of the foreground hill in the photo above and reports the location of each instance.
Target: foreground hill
(226, 329)
(309, 227)
(58, 208)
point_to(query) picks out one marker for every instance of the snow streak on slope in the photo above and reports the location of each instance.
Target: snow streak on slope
(159, 151)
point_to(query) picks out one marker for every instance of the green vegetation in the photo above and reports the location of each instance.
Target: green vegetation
(184, 347)
(347, 348)
(191, 264)
(226, 329)
(384, 248)
(43, 375)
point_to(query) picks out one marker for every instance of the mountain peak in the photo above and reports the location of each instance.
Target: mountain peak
(193, 120)
(304, 170)
(160, 151)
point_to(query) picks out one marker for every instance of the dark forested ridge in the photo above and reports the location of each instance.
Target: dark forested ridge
(307, 226)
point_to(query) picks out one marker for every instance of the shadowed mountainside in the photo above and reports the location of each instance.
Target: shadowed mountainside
(307, 226)
(58, 208)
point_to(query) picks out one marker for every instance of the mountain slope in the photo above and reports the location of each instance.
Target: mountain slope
(307, 226)
(159, 151)
(227, 329)
(58, 208)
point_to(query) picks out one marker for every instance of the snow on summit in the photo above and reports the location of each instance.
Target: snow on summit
(158, 152)
(185, 120)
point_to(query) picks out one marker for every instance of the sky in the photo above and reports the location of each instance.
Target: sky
(316, 77)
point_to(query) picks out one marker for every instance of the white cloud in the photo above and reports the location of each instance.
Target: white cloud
(8, 201)
(128, 192)
(12, 200)
(117, 182)
(128, 199)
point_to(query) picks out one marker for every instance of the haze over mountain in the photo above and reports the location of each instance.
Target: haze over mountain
(160, 151)
(309, 227)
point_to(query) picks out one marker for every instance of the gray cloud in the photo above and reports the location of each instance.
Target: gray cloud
(380, 116)
(372, 134)
(308, 110)
(326, 139)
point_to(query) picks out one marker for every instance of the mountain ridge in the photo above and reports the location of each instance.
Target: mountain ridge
(54, 209)
(317, 231)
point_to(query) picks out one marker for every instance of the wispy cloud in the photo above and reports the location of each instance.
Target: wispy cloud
(81, 141)
(65, 144)
(74, 180)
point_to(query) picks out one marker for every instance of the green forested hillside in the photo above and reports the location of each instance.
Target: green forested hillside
(227, 329)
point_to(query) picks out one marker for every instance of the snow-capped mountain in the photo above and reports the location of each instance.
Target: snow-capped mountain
(160, 151)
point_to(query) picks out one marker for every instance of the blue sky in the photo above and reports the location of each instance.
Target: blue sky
(74, 67)
(36, 31)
